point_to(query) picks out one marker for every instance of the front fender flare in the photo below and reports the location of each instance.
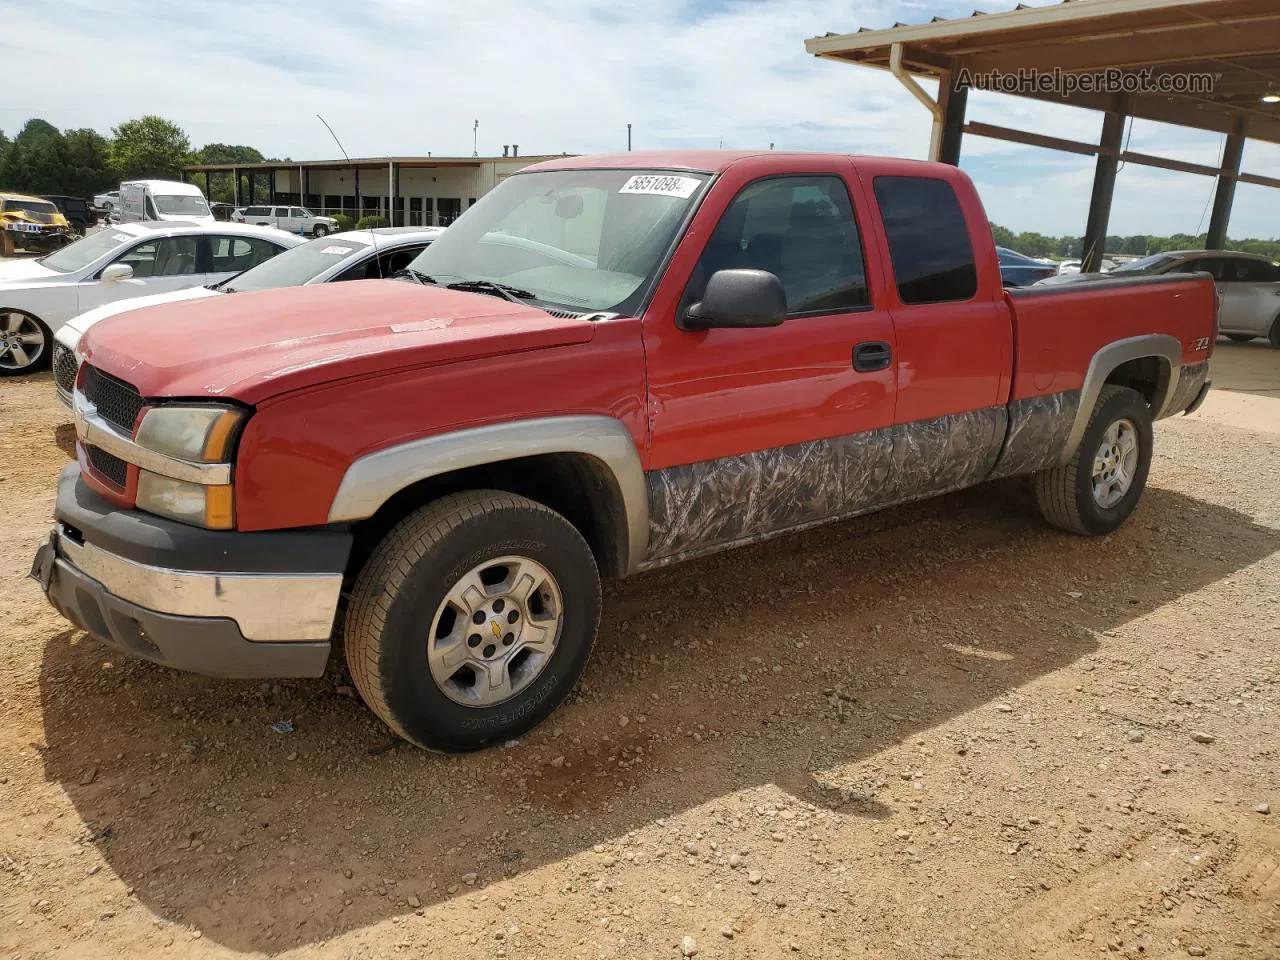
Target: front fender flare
(373, 479)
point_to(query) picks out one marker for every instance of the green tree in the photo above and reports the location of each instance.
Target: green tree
(1004, 236)
(88, 163)
(218, 187)
(149, 147)
(34, 162)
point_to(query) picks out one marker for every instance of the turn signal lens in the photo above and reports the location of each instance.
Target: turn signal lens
(195, 503)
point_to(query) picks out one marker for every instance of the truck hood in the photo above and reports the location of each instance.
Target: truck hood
(253, 346)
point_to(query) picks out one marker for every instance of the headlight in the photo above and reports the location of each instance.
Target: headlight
(203, 434)
(195, 503)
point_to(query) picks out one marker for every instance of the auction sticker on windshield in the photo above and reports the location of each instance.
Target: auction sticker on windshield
(662, 186)
(335, 251)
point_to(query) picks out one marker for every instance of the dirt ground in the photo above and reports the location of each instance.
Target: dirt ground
(942, 731)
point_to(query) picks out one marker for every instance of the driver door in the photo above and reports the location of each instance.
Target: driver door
(754, 431)
(159, 265)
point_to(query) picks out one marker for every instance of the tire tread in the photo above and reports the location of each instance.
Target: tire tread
(383, 576)
(1055, 488)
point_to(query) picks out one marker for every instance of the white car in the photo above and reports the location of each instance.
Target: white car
(109, 201)
(126, 260)
(325, 260)
(1248, 286)
(298, 220)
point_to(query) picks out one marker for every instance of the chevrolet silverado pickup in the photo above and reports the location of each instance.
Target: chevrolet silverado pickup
(609, 364)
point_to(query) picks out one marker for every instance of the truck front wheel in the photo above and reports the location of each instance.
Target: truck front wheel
(1097, 490)
(472, 620)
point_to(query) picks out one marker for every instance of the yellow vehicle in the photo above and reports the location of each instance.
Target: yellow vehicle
(30, 223)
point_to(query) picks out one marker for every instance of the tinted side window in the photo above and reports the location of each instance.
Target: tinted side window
(234, 254)
(928, 239)
(297, 212)
(1254, 271)
(1211, 265)
(800, 229)
(169, 257)
(366, 269)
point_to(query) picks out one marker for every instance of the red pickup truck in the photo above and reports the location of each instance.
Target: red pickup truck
(607, 365)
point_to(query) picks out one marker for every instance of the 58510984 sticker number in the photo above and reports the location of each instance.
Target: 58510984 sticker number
(661, 185)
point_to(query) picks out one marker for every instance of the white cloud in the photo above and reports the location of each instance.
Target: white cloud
(410, 76)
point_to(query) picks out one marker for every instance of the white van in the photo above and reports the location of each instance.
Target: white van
(163, 200)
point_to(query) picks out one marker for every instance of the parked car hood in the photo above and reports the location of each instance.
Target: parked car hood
(84, 321)
(22, 272)
(253, 346)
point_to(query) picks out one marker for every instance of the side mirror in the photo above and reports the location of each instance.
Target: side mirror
(738, 298)
(117, 273)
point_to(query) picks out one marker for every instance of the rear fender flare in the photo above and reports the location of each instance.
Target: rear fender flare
(374, 478)
(1166, 349)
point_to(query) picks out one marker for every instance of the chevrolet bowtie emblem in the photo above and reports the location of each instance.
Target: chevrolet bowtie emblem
(497, 630)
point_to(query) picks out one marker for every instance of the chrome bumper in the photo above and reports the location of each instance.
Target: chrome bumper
(271, 607)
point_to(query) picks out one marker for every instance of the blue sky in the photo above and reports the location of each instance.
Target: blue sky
(410, 76)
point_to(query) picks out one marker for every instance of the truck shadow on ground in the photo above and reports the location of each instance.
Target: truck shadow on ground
(786, 664)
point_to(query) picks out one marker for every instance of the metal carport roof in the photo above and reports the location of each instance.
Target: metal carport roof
(1209, 64)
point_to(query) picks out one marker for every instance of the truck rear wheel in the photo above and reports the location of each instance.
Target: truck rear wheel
(1099, 488)
(472, 620)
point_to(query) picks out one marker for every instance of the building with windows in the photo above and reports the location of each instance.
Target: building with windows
(406, 191)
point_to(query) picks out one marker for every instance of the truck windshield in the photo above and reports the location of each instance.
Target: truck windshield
(75, 256)
(295, 267)
(582, 240)
(173, 205)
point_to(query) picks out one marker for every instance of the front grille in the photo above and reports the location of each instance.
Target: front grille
(64, 368)
(117, 402)
(108, 464)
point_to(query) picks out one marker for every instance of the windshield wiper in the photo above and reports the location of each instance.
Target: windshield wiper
(416, 276)
(514, 294)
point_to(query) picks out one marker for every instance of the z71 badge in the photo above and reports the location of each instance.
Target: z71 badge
(1200, 343)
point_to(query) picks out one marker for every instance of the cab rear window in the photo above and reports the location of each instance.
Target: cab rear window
(928, 239)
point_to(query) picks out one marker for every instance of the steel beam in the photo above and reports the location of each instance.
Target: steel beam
(953, 103)
(1226, 192)
(1104, 187)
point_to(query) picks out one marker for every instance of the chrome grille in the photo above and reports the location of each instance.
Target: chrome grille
(117, 402)
(108, 464)
(64, 368)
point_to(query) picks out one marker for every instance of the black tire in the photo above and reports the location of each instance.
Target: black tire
(320, 230)
(45, 347)
(1065, 494)
(407, 577)
(1274, 335)
(1239, 337)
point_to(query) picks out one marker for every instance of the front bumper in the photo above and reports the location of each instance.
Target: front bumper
(219, 603)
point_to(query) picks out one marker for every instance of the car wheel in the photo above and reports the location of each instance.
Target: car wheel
(1274, 335)
(24, 343)
(472, 620)
(1100, 486)
(320, 230)
(1238, 337)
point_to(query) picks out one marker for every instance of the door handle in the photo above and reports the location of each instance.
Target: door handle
(873, 355)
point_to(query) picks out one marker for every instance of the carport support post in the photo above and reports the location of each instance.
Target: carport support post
(235, 187)
(391, 193)
(953, 103)
(1104, 188)
(1226, 193)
